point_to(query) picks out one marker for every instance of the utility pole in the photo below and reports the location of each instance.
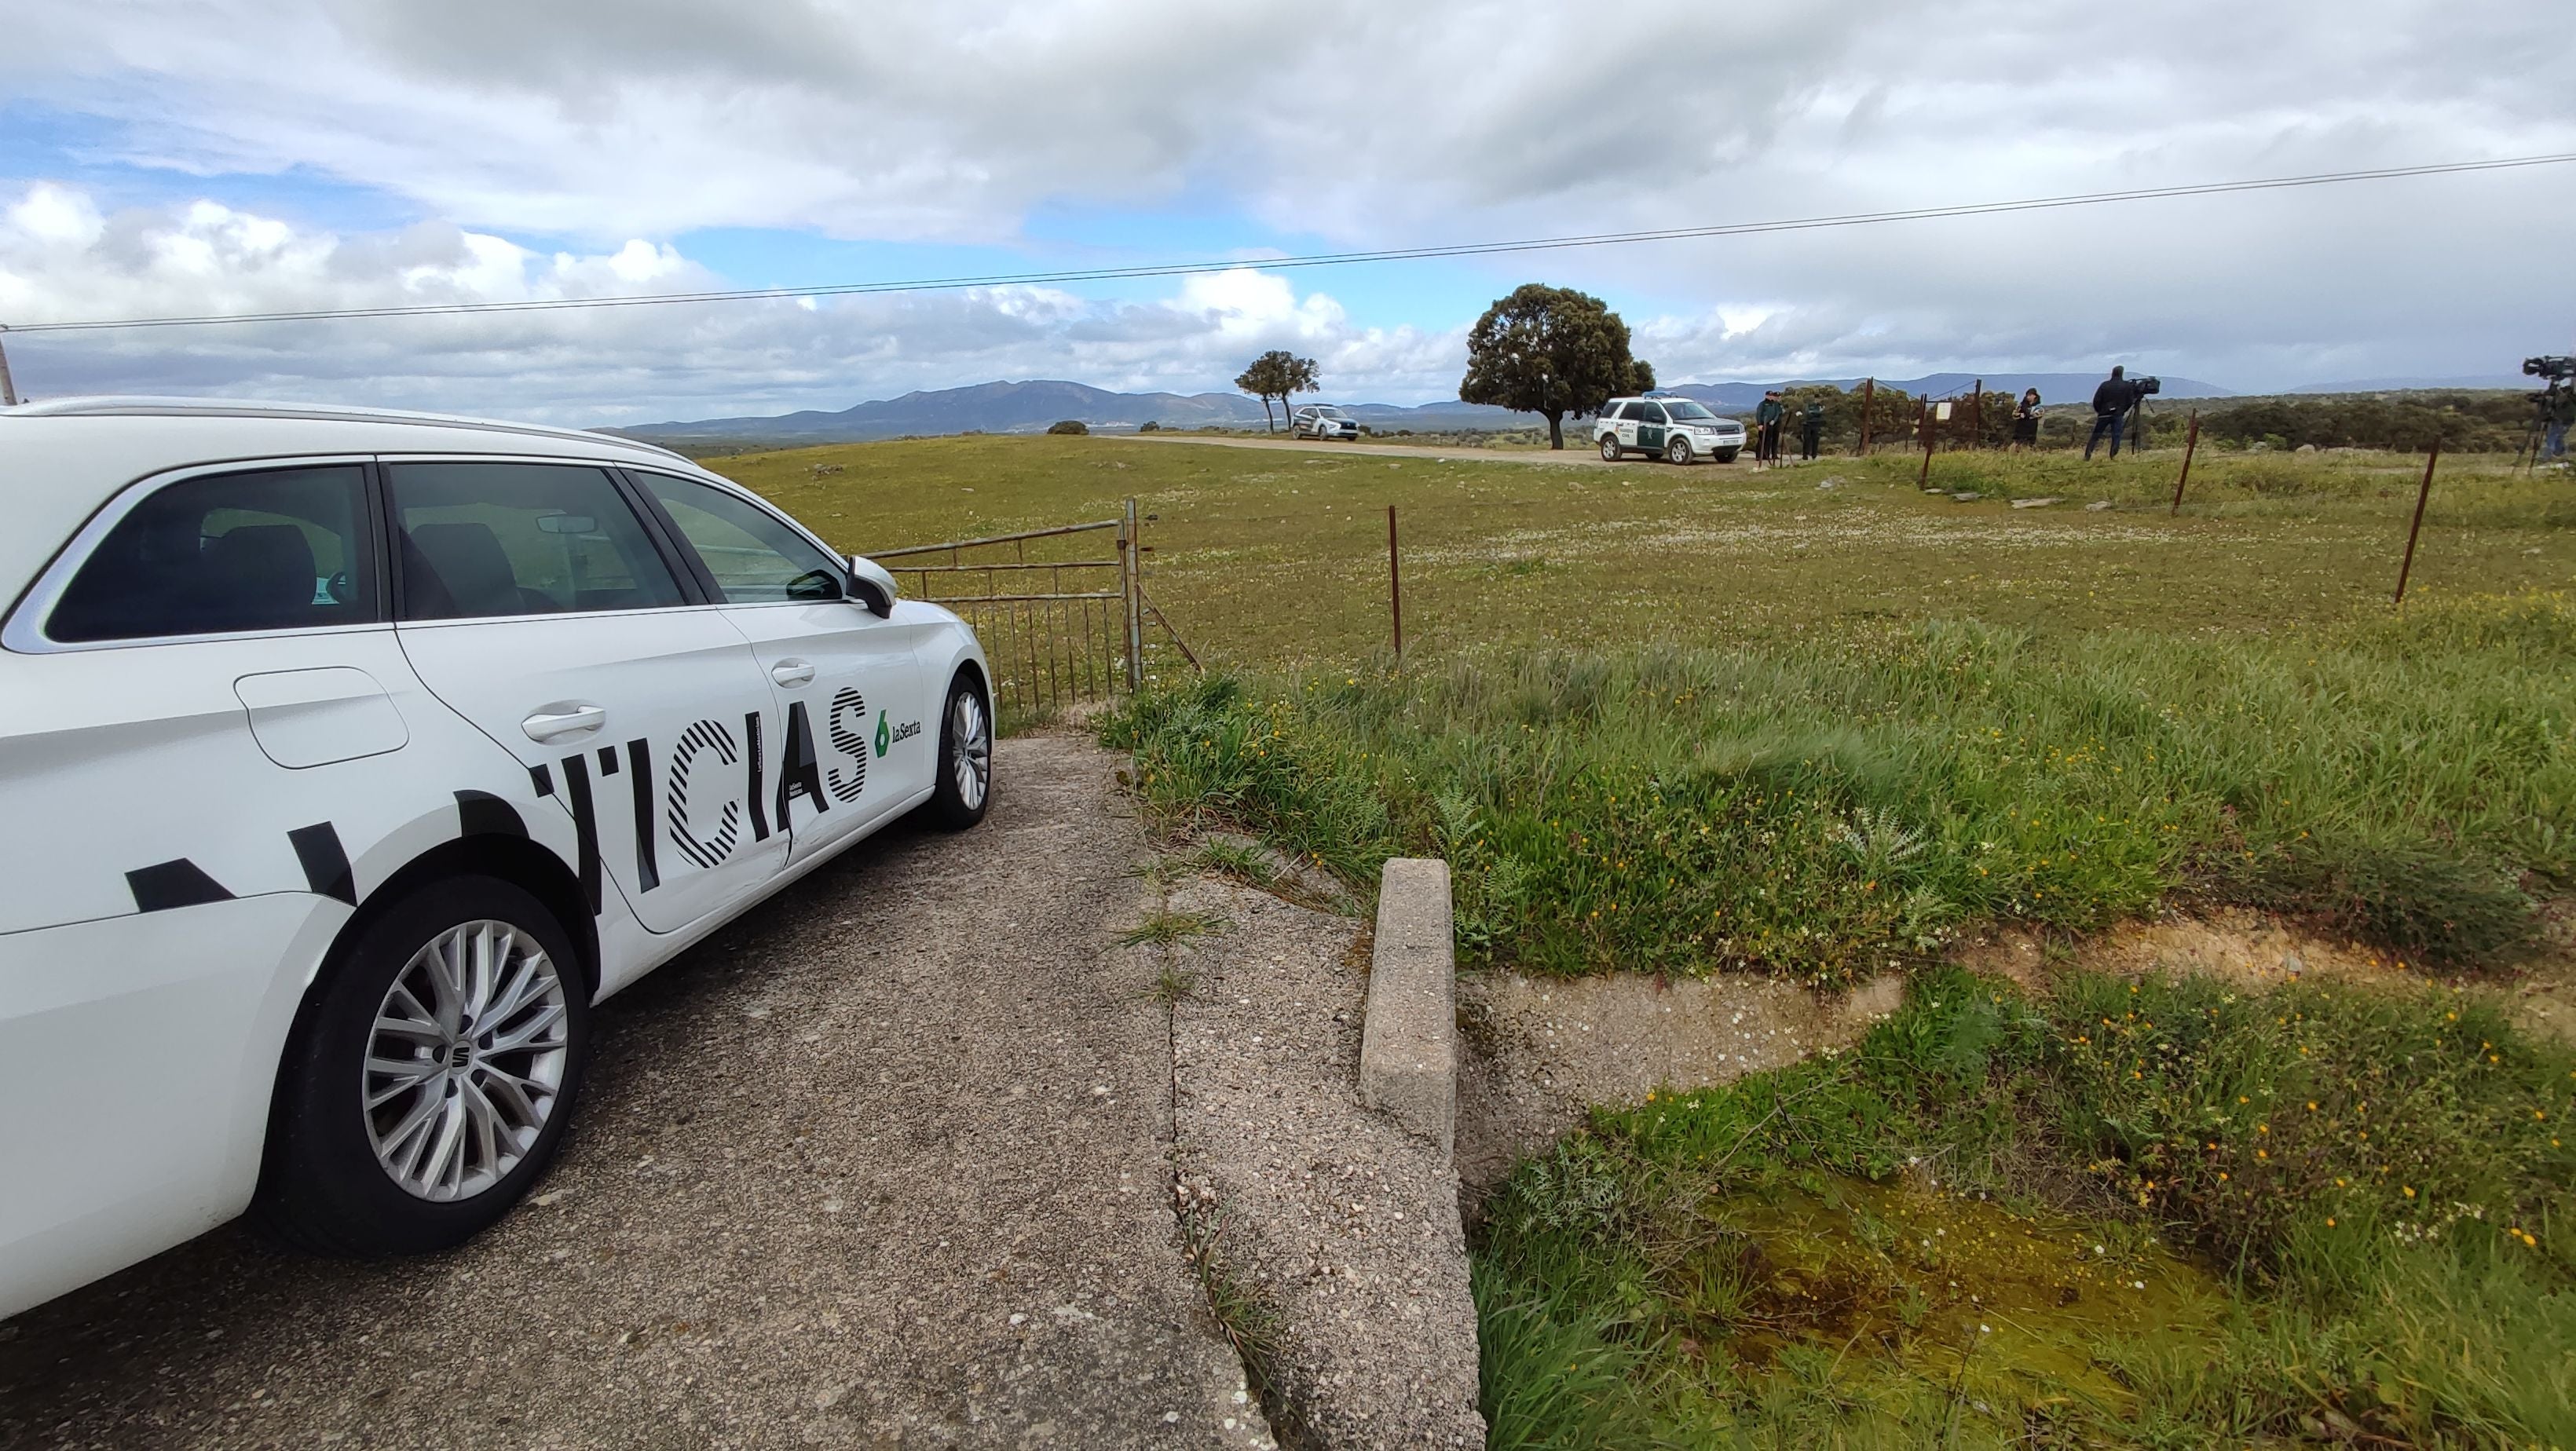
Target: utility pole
(8, 390)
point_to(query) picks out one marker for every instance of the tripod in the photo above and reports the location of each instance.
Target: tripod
(2544, 405)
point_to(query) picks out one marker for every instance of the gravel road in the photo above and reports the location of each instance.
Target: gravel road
(1577, 450)
(883, 1165)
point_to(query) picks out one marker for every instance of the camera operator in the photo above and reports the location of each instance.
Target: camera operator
(2558, 408)
(2111, 404)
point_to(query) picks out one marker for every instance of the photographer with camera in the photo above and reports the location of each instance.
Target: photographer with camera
(2111, 404)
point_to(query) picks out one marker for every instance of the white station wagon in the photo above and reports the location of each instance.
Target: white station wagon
(348, 757)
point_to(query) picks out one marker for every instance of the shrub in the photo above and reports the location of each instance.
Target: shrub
(1069, 426)
(1149, 426)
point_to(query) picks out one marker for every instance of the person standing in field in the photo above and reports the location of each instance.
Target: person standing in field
(2562, 412)
(1766, 421)
(2111, 404)
(1811, 428)
(2025, 420)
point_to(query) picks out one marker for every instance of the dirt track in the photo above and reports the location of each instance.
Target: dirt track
(1576, 451)
(883, 1165)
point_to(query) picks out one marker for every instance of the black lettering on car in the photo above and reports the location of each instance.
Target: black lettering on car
(325, 861)
(703, 736)
(585, 825)
(639, 779)
(851, 741)
(166, 885)
(797, 770)
(751, 792)
(480, 813)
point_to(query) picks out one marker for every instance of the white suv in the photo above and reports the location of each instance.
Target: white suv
(1678, 429)
(349, 757)
(1322, 420)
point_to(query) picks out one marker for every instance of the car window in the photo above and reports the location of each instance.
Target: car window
(1646, 412)
(1688, 411)
(484, 539)
(755, 557)
(1615, 411)
(276, 549)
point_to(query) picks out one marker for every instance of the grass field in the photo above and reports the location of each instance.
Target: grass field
(1273, 559)
(1683, 720)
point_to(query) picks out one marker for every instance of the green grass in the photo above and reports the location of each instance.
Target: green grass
(1268, 559)
(2378, 1180)
(1163, 928)
(1828, 808)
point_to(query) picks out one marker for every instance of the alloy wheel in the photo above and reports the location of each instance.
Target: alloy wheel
(466, 1060)
(974, 749)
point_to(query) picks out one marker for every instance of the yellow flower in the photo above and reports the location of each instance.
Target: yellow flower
(2409, 1190)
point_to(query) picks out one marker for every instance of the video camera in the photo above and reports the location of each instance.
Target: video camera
(2556, 370)
(2148, 385)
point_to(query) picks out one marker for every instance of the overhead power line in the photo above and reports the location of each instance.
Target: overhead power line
(1320, 259)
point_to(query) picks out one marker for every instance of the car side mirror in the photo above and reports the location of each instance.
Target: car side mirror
(872, 585)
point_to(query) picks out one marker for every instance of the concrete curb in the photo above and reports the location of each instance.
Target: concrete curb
(1409, 1042)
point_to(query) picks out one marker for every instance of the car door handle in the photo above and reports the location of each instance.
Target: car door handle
(792, 672)
(556, 722)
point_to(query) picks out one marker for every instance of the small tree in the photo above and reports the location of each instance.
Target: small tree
(1276, 374)
(1550, 351)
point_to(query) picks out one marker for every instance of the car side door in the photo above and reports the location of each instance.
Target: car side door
(860, 741)
(1625, 421)
(538, 601)
(1650, 425)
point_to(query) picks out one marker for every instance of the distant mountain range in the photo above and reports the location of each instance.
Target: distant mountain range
(1005, 407)
(1029, 407)
(2400, 385)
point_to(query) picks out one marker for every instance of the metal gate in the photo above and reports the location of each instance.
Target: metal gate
(1057, 630)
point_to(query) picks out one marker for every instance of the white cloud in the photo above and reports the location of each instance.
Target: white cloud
(1369, 125)
(61, 259)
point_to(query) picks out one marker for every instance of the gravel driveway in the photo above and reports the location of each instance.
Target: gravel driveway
(883, 1165)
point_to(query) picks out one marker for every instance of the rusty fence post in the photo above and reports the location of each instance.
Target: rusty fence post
(2421, 494)
(2191, 442)
(1132, 585)
(1868, 391)
(1394, 585)
(1923, 424)
(1977, 414)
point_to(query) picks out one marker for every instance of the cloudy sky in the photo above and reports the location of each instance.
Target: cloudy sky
(164, 157)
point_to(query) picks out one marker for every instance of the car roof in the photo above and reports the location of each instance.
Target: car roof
(61, 459)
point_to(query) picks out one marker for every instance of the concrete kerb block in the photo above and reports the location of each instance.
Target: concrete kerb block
(1409, 1040)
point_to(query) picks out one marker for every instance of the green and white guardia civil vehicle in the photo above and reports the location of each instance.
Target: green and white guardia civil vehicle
(1661, 425)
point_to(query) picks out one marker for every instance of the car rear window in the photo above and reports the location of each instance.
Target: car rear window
(272, 549)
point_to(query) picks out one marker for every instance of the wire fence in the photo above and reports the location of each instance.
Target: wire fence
(1061, 625)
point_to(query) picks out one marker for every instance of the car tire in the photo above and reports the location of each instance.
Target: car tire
(369, 1164)
(1609, 448)
(1678, 451)
(965, 789)
(1726, 455)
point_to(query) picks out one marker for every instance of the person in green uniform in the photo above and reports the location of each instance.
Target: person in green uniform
(1811, 428)
(1767, 418)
